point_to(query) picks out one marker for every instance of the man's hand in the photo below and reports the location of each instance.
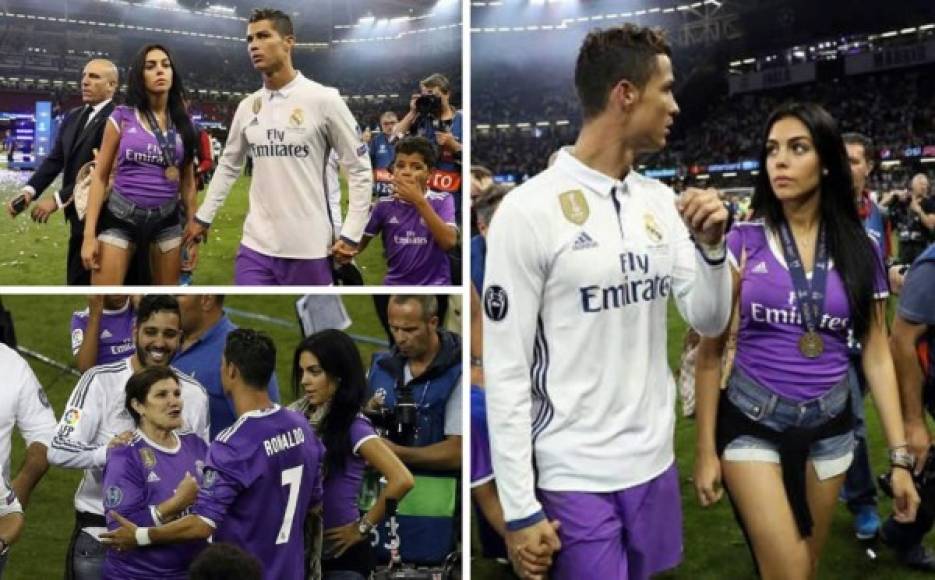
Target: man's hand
(194, 233)
(367, 135)
(123, 439)
(918, 442)
(43, 209)
(192, 260)
(897, 277)
(27, 196)
(905, 496)
(123, 538)
(704, 214)
(343, 252)
(446, 140)
(531, 549)
(412, 103)
(407, 189)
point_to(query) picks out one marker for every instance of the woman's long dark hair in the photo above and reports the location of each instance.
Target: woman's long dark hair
(338, 356)
(849, 246)
(136, 97)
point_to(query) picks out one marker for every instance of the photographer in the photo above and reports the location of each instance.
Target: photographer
(913, 216)
(419, 382)
(432, 116)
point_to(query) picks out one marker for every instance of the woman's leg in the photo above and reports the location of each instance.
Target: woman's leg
(758, 492)
(114, 264)
(166, 266)
(822, 497)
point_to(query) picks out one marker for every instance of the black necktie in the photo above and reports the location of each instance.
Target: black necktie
(83, 120)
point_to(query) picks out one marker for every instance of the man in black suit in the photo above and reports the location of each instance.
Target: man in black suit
(78, 137)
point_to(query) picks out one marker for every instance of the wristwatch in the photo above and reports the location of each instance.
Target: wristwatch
(899, 457)
(364, 526)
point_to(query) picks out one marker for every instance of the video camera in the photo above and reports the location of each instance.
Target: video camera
(429, 105)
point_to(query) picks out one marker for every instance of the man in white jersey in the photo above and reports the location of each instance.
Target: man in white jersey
(581, 262)
(96, 418)
(23, 404)
(289, 128)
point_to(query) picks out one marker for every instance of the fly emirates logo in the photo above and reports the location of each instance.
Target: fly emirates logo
(790, 315)
(276, 146)
(637, 285)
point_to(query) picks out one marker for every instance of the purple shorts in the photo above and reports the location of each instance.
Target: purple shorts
(252, 268)
(625, 535)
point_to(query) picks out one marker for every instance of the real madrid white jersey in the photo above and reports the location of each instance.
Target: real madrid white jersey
(22, 403)
(96, 413)
(580, 268)
(290, 134)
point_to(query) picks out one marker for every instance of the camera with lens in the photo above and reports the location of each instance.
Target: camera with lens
(398, 424)
(429, 105)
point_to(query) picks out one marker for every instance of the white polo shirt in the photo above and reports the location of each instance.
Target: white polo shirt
(580, 268)
(96, 413)
(290, 134)
(23, 404)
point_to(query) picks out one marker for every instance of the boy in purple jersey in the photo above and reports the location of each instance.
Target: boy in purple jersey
(103, 332)
(417, 225)
(262, 475)
(154, 479)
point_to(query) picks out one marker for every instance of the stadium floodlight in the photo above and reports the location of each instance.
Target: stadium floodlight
(907, 30)
(928, 160)
(369, 19)
(926, 27)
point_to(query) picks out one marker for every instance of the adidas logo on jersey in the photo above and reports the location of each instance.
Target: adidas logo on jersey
(106, 334)
(153, 478)
(393, 220)
(583, 242)
(760, 269)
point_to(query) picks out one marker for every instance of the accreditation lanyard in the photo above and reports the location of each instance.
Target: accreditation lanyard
(166, 140)
(810, 298)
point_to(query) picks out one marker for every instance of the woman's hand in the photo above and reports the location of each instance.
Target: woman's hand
(905, 497)
(91, 253)
(708, 478)
(341, 539)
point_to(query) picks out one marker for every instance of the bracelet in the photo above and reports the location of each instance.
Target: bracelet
(892, 467)
(902, 458)
(142, 537)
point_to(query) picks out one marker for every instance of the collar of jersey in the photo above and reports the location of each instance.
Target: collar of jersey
(284, 91)
(262, 412)
(594, 180)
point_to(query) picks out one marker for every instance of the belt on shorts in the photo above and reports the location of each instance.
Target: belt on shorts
(122, 207)
(793, 443)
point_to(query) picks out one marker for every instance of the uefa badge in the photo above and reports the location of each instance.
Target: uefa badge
(148, 457)
(652, 228)
(574, 206)
(113, 496)
(297, 118)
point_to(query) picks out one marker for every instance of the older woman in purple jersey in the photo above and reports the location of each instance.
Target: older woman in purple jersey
(806, 276)
(153, 143)
(155, 478)
(327, 368)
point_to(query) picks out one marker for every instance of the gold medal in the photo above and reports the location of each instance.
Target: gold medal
(172, 173)
(811, 345)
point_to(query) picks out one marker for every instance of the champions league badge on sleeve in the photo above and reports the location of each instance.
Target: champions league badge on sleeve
(496, 303)
(113, 496)
(574, 206)
(209, 478)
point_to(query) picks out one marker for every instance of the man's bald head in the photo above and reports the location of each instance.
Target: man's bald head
(919, 185)
(98, 81)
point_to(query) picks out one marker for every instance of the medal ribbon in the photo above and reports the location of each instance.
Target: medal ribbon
(810, 298)
(166, 141)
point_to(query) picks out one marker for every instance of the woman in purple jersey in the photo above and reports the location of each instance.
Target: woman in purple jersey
(153, 143)
(155, 478)
(327, 368)
(806, 276)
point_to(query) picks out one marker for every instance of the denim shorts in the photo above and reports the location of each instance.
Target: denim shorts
(122, 222)
(831, 456)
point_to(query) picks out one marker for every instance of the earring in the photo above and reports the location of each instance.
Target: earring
(824, 172)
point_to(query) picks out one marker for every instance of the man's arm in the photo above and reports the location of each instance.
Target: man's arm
(36, 423)
(442, 456)
(32, 471)
(85, 341)
(73, 445)
(353, 157)
(229, 166)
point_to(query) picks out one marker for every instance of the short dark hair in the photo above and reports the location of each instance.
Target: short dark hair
(140, 383)
(222, 561)
(610, 55)
(153, 303)
(428, 302)
(854, 138)
(481, 172)
(254, 355)
(437, 80)
(279, 19)
(420, 146)
(488, 202)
